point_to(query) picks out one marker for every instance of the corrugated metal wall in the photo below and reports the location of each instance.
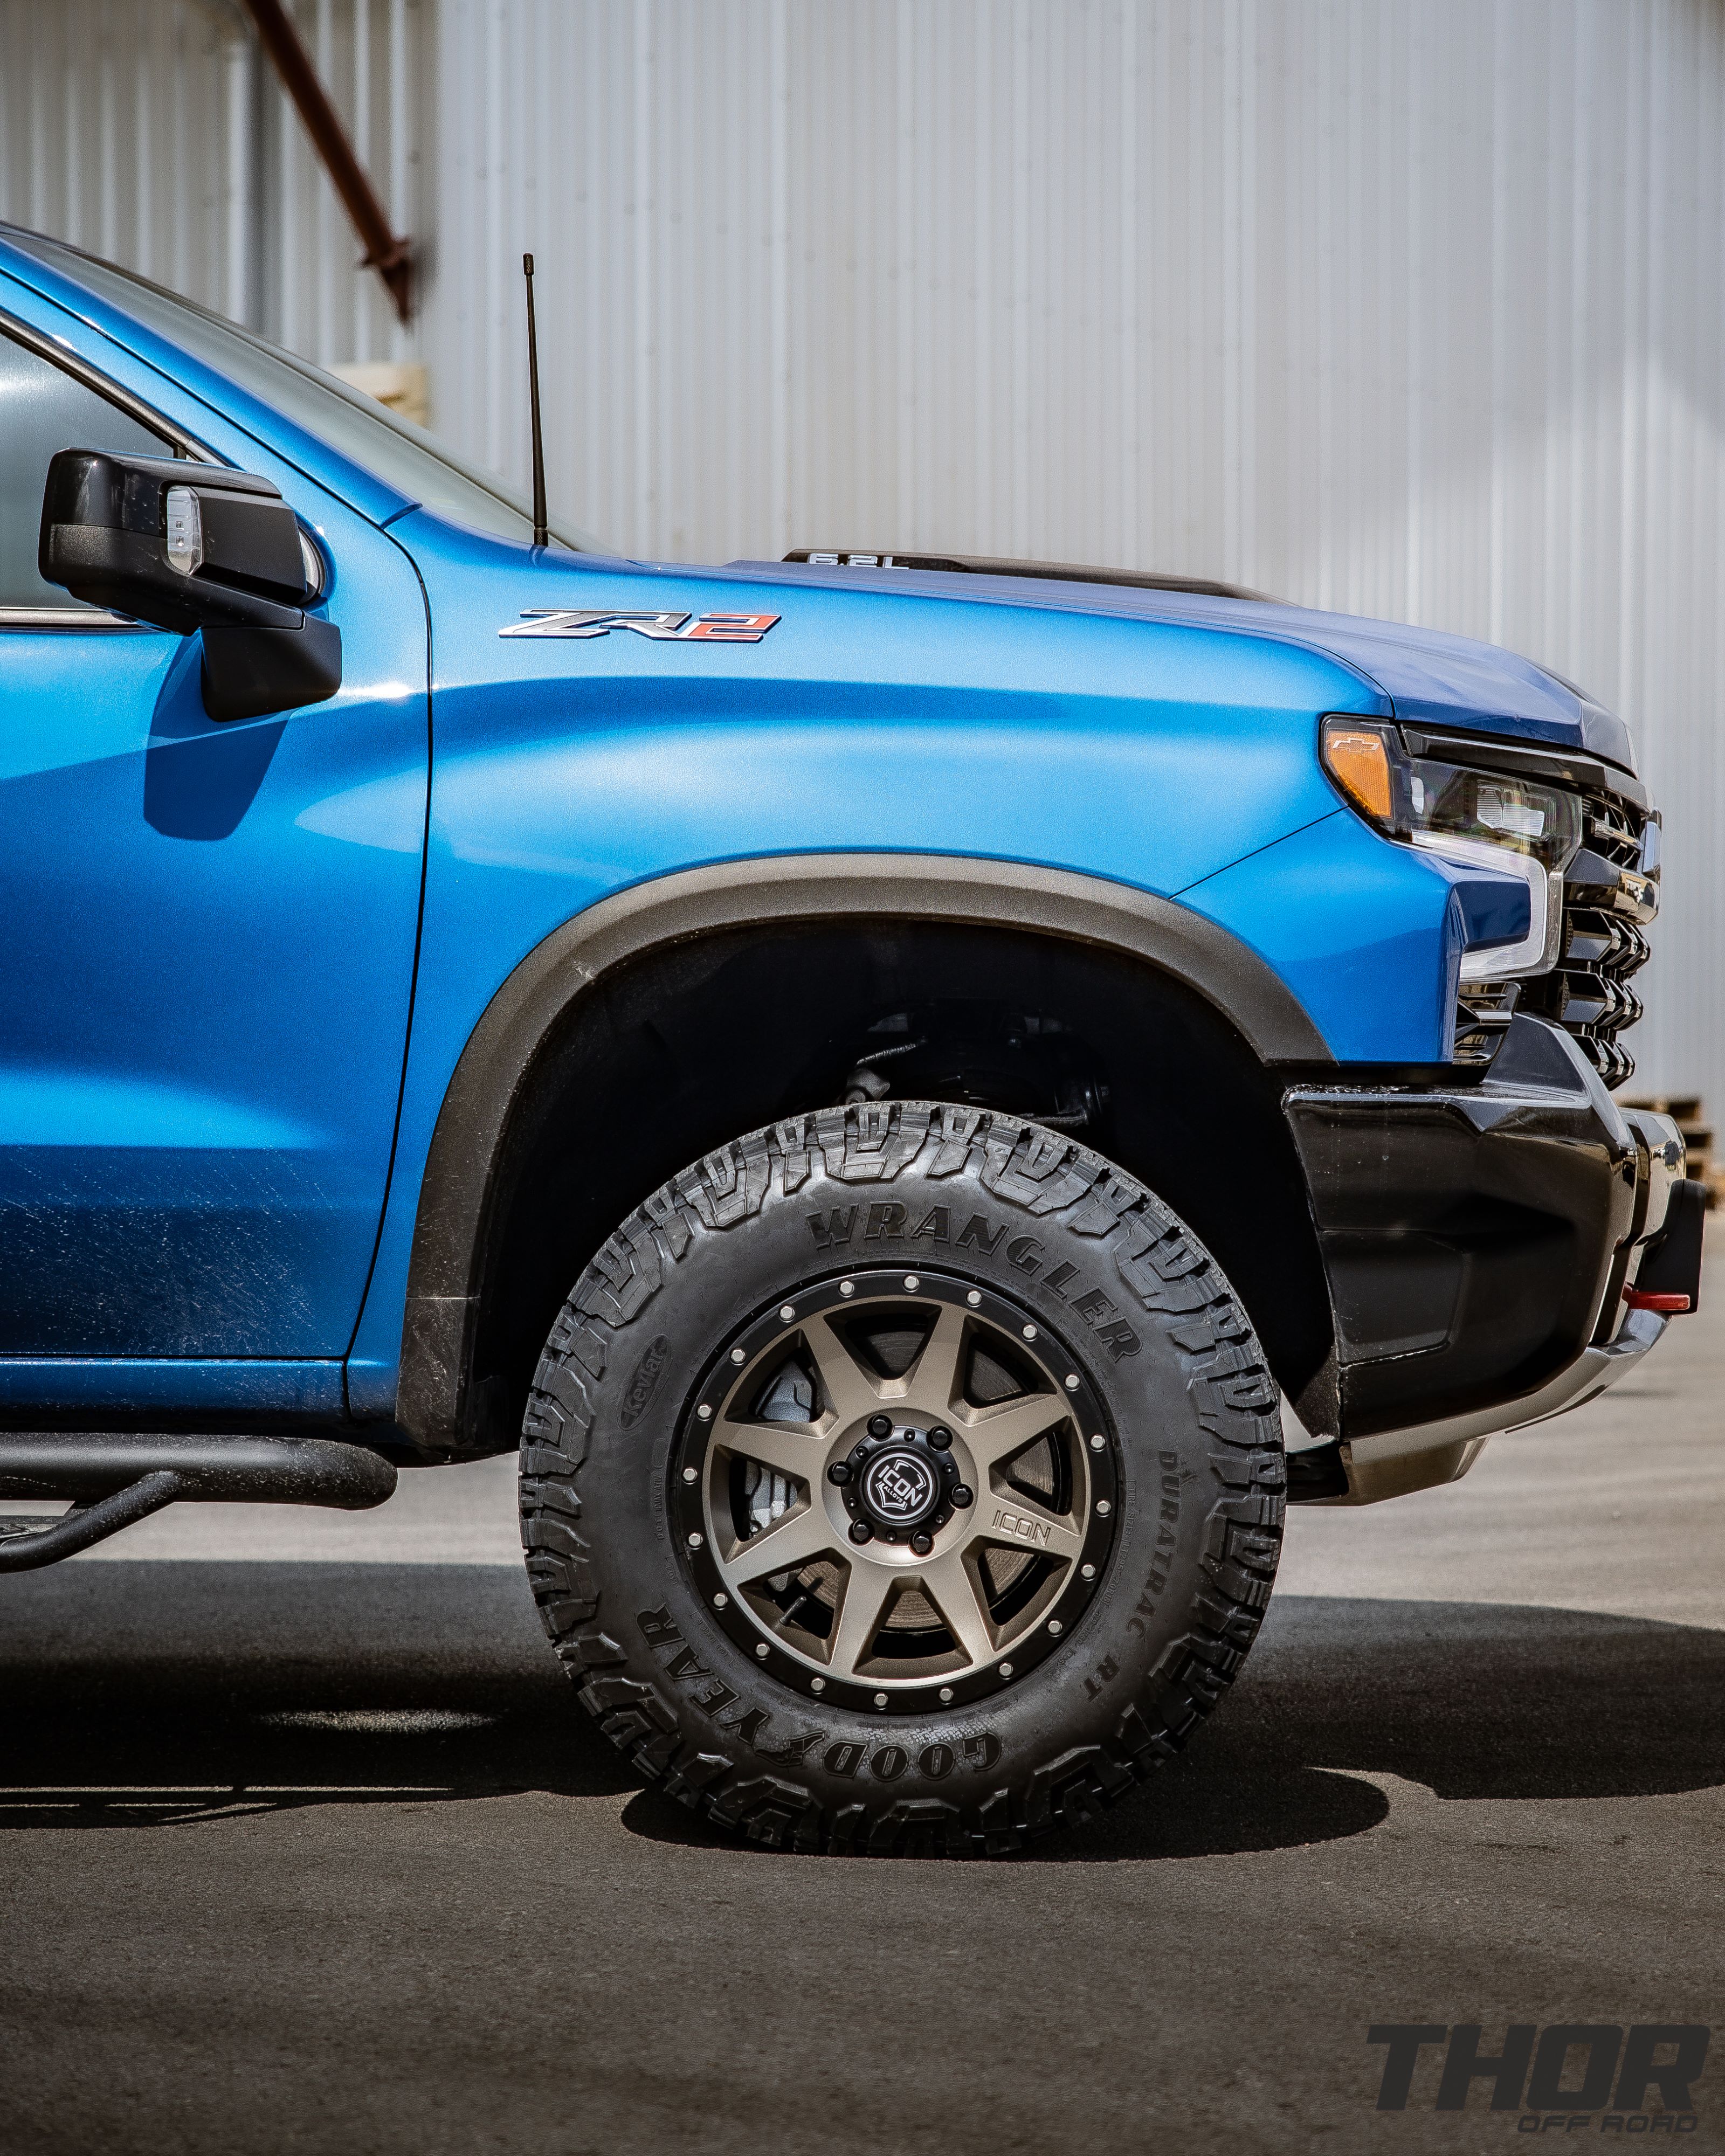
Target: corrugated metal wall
(1413, 307)
(150, 132)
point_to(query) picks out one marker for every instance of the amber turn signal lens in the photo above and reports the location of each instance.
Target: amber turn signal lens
(1356, 758)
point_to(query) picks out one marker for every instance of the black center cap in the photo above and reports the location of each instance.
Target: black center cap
(899, 1487)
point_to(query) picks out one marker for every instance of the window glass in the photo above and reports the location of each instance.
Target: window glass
(43, 409)
(402, 456)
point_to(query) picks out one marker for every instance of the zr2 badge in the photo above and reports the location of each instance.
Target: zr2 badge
(662, 627)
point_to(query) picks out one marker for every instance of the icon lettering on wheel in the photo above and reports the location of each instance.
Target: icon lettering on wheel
(1016, 1523)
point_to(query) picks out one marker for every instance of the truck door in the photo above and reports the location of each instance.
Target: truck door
(207, 958)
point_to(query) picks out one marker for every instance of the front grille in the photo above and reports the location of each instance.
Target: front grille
(1605, 902)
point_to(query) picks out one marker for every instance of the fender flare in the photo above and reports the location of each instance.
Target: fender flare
(444, 1284)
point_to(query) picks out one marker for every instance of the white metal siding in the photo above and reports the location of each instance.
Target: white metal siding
(152, 132)
(1410, 307)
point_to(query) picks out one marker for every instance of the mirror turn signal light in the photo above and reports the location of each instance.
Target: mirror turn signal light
(1356, 757)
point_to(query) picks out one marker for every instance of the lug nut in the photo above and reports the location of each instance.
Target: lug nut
(940, 1437)
(879, 1425)
(840, 1471)
(963, 1494)
(921, 1542)
(862, 1532)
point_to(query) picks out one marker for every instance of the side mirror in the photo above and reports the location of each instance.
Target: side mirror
(188, 547)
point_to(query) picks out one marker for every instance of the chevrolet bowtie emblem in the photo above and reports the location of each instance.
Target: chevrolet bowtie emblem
(662, 627)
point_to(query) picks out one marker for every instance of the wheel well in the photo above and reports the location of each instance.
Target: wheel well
(669, 1056)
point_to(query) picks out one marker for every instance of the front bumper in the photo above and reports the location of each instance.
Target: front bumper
(1476, 1243)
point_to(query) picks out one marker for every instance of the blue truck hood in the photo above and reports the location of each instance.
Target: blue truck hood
(1430, 678)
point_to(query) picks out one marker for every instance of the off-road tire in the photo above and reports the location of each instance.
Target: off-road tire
(1196, 1454)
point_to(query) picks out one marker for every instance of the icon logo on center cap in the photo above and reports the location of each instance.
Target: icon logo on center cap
(899, 1487)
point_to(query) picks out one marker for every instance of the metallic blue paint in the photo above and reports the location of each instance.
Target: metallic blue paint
(215, 936)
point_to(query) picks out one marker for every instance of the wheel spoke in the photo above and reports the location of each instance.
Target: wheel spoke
(1007, 1521)
(849, 1391)
(995, 1433)
(789, 1541)
(860, 1614)
(933, 1381)
(952, 1587)
(792, 1448)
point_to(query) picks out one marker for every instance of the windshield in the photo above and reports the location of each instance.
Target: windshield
(393, 450)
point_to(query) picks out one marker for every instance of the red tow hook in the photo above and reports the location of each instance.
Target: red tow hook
(1672, 1305)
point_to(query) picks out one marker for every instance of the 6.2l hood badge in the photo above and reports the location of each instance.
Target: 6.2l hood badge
(662, 627)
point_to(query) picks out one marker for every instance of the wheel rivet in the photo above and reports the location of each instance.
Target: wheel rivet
(1086, 1571)
(946, 1694)
(921, 1542)
(1006, 1669)
(694, 1541)
(912, 1282)
(847, 1287)
(1054, 1626)
(1072, 1384)
(691, 1475)
(705, 1412)
(1097, 1443)
(880, 1699)
(762, 1650)
(963, 1494)
(940, 1437)
(840, 1471)
(738, 1356)
(862, 1532)
(719, 1600)
(879, 1425)
(1103, 1506)
(974, 1300)
(817, 1683)
(786, 1311)
(1029, 1333)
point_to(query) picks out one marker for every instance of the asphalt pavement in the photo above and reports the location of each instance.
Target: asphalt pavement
(303, 1846)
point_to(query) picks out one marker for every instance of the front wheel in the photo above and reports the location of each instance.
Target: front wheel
(903, 1478)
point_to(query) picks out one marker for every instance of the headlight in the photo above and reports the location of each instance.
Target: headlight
(1498, 820)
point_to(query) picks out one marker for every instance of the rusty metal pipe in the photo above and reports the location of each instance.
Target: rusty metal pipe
(389, 256)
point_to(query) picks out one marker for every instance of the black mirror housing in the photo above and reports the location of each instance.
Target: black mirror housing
(189, 547)
(248, 673)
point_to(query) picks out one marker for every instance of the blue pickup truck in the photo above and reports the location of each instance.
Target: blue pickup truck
(929, 1096)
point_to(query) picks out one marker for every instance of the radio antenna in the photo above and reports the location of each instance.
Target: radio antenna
(542, 535)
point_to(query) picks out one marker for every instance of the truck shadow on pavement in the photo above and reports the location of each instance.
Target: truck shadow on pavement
(169, 1694)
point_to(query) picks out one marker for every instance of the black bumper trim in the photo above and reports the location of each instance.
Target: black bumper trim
(1468, 1233)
